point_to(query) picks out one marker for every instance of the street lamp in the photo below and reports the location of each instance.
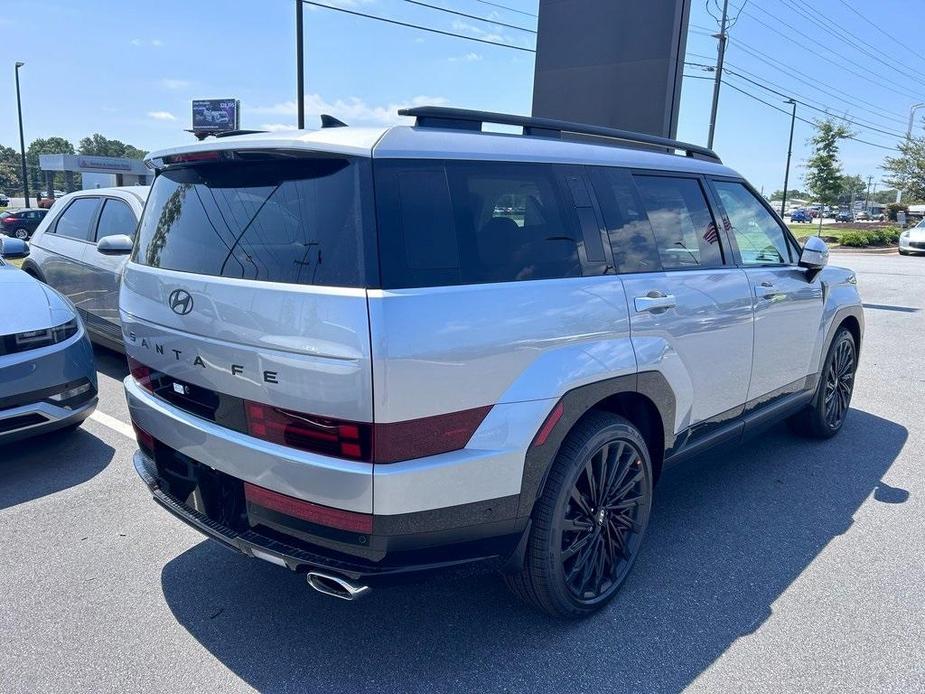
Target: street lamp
(22, 141)
(915, 107)
(793, 120)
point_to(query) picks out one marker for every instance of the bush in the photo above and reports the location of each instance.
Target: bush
(855, 239)
(870, 237)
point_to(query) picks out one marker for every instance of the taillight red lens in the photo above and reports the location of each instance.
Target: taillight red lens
(10, 220)
(193, 156)
(416, 438)
(308, 432)
(141, 373)
(145, 440)
(307, 511)
(551, 420)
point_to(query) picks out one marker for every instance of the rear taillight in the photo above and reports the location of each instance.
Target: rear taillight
(141, 373)
(188, 157)
(307, 511)
(308, 432)
(145, 440)
(416, 438)
(10, 220)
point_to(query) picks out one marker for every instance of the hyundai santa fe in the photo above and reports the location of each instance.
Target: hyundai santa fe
(361, 353)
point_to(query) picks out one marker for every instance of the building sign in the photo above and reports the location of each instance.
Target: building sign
(107, 164)
(216, 115)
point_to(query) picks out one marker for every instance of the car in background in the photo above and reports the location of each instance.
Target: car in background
(21, 224)
(47, 372)
(912, 240)
(81, 249)
(844, 216)
(800, 216)
(862, 216)
(4, 200)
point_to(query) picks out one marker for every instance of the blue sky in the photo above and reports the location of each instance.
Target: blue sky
(129, 69)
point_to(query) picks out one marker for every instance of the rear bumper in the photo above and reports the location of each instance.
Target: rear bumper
(23, 422)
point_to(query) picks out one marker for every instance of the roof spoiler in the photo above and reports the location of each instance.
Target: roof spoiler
(471, 120)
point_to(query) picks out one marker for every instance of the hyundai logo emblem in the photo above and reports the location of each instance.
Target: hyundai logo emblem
(180, 301)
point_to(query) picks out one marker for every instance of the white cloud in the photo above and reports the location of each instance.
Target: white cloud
(353, 110)
(470, 57)
(157, 43)
(275, 127)
(464, 27)
(168, 83)
(161, 115)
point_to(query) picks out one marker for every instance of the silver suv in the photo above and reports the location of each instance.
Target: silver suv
(359, 353)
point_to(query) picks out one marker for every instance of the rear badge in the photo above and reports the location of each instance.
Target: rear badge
(180, 389)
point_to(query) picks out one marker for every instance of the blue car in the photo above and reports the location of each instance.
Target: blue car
(800, 216)
(47, 371)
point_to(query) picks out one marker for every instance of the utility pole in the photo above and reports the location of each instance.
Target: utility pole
(300, 65)
(720, 56)
(912, 110)
(22, 141)
(793, 120)
(870, 180)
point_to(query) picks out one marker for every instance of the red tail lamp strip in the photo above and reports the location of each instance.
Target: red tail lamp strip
(145, 440)
(417, 438)
(140, 373)
(307, 511)
(549, 424)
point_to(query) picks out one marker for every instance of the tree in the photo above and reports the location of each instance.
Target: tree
(907, 171)
(10, 170)
(791, 194)
(824, 176)
(104, 147)
(852, 188)
(46, 145)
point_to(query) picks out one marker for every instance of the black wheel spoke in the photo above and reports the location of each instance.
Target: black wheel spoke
(839, 382)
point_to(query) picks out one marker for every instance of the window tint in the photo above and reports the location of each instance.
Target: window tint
(471, 222)
(630, 233)
(74, 222)
(116, 218)
(685, 233)
(758, 235)
(297, 221)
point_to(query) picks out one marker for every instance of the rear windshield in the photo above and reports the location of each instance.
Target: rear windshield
(282, 220)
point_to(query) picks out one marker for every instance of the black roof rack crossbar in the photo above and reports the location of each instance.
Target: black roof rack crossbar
(466, 119)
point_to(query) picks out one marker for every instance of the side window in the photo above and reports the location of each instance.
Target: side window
(685, 233)
(74, 222)
(471, 222)
(116, 218)
(628, 229)
(760, 239)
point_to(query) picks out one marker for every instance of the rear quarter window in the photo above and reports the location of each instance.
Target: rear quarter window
(300, 221)
(449, 223)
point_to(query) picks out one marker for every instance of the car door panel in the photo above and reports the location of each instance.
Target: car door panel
(66, 244)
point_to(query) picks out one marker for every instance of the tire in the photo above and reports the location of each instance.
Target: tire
(825, 415)
(902, 252)
(21, 234)
(602, 542)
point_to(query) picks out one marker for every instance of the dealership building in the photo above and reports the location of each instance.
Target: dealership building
(96, 172)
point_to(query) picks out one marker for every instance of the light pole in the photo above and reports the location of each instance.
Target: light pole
(793, 120)
(22, 141)
(915, 107)
(300, 65)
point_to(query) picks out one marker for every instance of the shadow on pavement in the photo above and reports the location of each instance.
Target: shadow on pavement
(729, 534)
(33, 468)
(110, 362)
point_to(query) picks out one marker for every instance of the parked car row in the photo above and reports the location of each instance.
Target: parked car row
(364, 353)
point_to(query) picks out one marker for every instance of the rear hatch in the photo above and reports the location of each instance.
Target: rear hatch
(245, 294)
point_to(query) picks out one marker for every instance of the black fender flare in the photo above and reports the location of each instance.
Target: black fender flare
(854, 311)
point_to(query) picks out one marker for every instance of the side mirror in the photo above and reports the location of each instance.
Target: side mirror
(815, 255)
(118, 244)
(13, 249)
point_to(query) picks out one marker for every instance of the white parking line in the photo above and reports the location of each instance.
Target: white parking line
(113, 423)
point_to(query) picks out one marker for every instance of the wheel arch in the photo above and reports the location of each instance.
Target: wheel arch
(644, 399)
(31, 269)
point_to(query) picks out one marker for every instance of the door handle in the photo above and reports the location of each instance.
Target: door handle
(654, 302)
(766, 290)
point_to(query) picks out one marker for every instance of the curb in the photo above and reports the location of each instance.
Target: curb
(865, 251)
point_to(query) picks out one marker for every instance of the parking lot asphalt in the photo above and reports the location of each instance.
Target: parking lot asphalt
(780, 566)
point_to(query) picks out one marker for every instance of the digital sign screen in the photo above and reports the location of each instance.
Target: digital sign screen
(216, 115)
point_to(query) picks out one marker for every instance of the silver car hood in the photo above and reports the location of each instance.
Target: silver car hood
(27, 304)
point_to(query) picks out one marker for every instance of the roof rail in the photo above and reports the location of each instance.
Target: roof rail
(466, 119)
(232, 133)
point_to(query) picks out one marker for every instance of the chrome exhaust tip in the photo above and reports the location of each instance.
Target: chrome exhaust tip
(335, 586)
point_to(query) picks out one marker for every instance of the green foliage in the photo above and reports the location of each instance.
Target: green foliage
(104, 147)
(10, 170)
(907, 171)
(46, 145)
(893, 208)
(872, 237)
(884, 196)
(852, 188)
(791, 194)
(824, 176)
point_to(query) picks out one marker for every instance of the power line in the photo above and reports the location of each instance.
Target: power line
(505, 7)
(823, 56)
(914, 51)
(419, 27)
(470, 16)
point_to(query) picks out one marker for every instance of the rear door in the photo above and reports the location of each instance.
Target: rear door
(103, 272)
(248, 280)
(67, 241)
(788, 302)
(690, 311)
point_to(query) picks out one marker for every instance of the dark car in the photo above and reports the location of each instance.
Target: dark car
(4, 200)
(844, 216)
(800, 216)
(21, 223)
